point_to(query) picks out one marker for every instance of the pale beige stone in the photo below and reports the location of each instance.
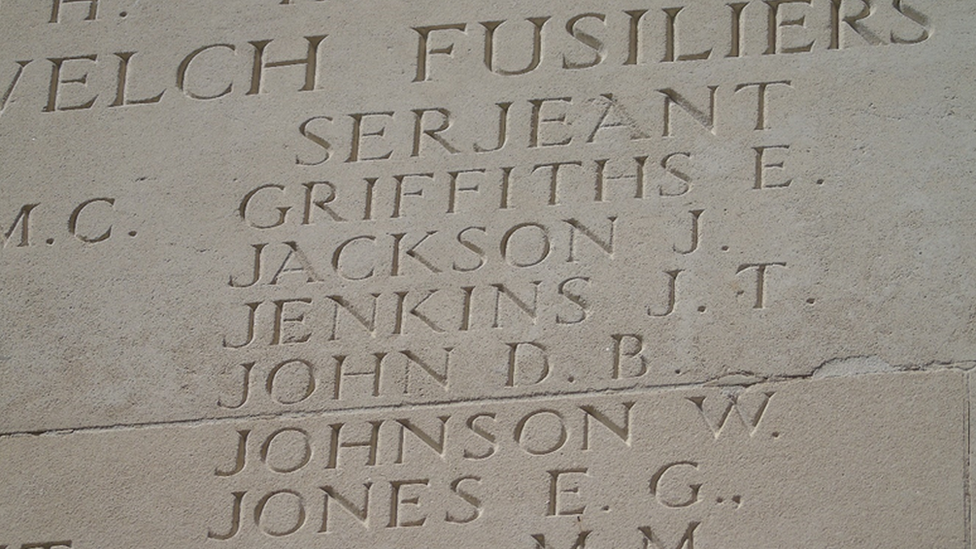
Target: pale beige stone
(176, 173)
(867, 461)
(875, 230)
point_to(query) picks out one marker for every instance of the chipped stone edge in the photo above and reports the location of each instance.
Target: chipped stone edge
(858, 365)
(731, 382)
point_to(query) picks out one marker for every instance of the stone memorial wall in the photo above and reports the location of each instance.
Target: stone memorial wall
(543, 274)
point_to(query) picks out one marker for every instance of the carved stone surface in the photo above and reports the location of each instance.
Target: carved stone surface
(466, 273)
(863, 462)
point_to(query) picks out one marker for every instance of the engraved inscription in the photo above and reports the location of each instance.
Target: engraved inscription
(401, 274)
(390, 445)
